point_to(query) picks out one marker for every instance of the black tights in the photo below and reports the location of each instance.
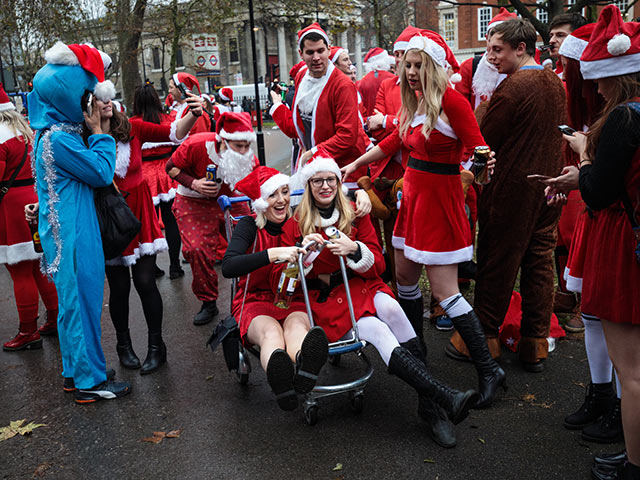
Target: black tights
(144, 280)
(171, 233)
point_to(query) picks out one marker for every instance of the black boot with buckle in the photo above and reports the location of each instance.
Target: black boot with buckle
(608, 429)
(598, 400)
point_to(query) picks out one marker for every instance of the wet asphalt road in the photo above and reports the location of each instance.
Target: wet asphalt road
(233, 432)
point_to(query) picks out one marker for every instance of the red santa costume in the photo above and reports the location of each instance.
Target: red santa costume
(199, 218)
(432, 181)
(377, 64)
(179, 110)
(325, 112)
(16, 246)
(259, 297)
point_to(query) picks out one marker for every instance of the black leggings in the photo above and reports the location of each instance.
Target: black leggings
(144, 280)
(171, 233)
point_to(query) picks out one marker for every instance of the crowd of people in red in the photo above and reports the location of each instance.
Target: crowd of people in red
(386, 167)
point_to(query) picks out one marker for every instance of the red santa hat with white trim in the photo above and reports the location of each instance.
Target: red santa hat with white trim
(434, 45)
(376, 59)
(573, 46)
(614, 47)
(235, 126)
(88, 57)
(320, 161)
(226, 94)
(336, 52)
(5, 103)
(402, 42)
(502, 16)
(313, 28)
(260, 184)
(189, 80)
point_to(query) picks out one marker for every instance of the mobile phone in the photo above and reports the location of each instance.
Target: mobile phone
(538, 177)
(87, 106)
(183, 90)
(566, 129)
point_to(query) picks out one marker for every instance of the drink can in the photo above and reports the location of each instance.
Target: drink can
(211, 172)
(332, 232)
(479, 167)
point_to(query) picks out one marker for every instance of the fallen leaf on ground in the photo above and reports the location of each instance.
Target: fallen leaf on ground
(209, 377)
(15, 428)
(580, 384)
(481, 440)
(39, 472)
(337, 467)
(429, 460)
(174, 433)
(529, 397)
(159, 436)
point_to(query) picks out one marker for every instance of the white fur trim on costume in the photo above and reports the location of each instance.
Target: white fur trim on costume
(164, 197)
(572, 47)
(610, 67)
(223, 97)
(6, 133)
(7, 106)
(431, 48)
(150, 145)
(402, 45)
(574, 284)
(60, 54)
(433, 258)
(494, 24)
(455, 78)
(187, 192)
(238, 136)
(336, 55)
(105, 91)
(18, 252)
(378, 62)
(365, 263)
(274, 107)
(259, 205)
(320, 164)
(173, 131)
(418, 120)
(158, 245)
(332, 220)
(123, 157)
(619, 44)
(175, 79)
(273, 184)
(445, 129)
(313, 30)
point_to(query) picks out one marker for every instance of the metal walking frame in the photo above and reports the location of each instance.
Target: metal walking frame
(355, 388)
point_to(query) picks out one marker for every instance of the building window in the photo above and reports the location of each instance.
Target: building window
(449, 29)
(542, 14)
(179, 61)
(234, 54)
(156, 58)
(484, 17)
(622, 5)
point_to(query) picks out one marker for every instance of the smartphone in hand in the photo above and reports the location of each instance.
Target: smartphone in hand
(538, 177)
(88, 104)
(183, 90)
(566, 129)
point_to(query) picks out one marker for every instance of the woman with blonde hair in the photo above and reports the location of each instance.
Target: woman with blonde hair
(439, 129)
(326, 215)
(16, 246)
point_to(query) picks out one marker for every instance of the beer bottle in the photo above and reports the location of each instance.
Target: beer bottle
(35, 236)
(287, 286)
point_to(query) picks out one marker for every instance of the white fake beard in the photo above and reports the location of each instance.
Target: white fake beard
(233, 166)
(309, 92)
(486, 79)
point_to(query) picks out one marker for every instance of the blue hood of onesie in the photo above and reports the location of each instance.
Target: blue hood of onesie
(57, 92)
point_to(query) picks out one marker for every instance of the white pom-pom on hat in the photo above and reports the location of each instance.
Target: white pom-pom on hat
(619, 44)
(455, 78)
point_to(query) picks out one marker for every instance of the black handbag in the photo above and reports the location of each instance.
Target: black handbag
(118, 224)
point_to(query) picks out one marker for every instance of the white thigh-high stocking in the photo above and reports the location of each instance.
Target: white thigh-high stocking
(379, 335)
(600, 364)
(390, 312)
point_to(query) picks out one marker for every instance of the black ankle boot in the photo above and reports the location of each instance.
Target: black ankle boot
(441, 429)
(598, 400)
(414, 372)
(608, 429)
(128, 358)
(490, 374)
(414, 310)
(156, 356)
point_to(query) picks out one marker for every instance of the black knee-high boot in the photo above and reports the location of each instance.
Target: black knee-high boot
(156, 356)
(490, 374)
(414, 372)
(441, 429)
(414, 310)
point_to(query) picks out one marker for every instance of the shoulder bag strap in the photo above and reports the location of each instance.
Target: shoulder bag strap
(5, 189)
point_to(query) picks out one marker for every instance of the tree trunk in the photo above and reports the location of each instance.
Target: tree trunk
(128, 43)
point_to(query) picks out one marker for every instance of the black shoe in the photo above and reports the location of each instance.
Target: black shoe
(156, 356)
(611, 459)
(68, 385)
(404, 365)
(128, 358)
(175, 271)
(598, 400)
(535, 367)
(626, 471)
(490, 374)
(280, 373)
(608, 429)
(441, 430)
(310, 360)
(206, 314)
(414, 310)
(159, 272)
(105, 391)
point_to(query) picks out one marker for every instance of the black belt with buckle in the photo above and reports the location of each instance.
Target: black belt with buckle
(17, 183)
(434, 167)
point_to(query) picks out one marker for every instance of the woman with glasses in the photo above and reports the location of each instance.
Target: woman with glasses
(380, 319)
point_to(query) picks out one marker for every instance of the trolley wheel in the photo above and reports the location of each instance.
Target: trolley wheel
(357, 403)
(335, 360)
(311, 415)
(243, 378)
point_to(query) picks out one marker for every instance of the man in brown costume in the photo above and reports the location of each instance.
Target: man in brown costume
(517, 230)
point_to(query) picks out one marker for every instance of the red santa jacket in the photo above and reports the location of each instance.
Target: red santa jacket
(203, 124)
(369, 87)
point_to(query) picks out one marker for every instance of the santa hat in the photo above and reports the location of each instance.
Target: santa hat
(320, 161)
(376, 59)
(88, 57)
(119, 106)
(614, 47)
(313, 28)
(226, 94)
(336, 52)
(5, 103)
(235, 126)
(574, 44)
(432, 44)
(502, 16)
(189, 80)
(402, 42)
(260, 184)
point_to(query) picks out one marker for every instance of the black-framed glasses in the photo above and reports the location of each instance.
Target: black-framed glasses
(318, 182)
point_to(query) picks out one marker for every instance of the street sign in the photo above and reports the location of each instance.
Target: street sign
(213, 60)
(205, 50)
(201, 61)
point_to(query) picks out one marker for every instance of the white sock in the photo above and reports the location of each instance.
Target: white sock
(600, 364)
(409, 292)
(456, 305)
(390, 312)
(379, 335)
